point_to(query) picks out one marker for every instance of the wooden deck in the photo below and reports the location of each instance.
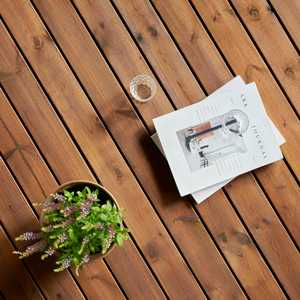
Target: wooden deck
(66, 113)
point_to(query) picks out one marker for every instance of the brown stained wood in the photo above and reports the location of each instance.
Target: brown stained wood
(178, 214)
(15, 281)
(167, 262)
(22, 156)
(140, 281)
(17, 218)
(154, 41)
(274, 44)
(282, 173)
(193, 40)
(269, 233)
(289, 13)
(245, 60)
(46, 65)
(104, 23)
(238, 248)
(284, 195)
(55, 137)
(34, 176)
(97, 282)
(253, 285)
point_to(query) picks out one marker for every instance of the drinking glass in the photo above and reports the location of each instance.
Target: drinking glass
(142, 88)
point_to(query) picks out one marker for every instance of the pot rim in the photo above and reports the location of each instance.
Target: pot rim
(93, 256)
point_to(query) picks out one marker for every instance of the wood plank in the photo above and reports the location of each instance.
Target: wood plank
(268, 232)
(189, 34)
(238, 248)
(245, 60)
(19, 87)
(17, 217)
(171, 11)
(289, 13)
(15, 281)
(175, 211)
(169, 267)
(105, 24)
(274, 44)
(180, 86)
(22, 156)
(32, 173)
(284, 194)
(255, 253)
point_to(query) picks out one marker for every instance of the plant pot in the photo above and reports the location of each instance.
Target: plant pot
(78, 185)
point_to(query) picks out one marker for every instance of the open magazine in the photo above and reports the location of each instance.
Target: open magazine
(217, 139)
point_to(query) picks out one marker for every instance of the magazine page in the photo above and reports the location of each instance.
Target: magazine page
(217, 139)
(203, 194)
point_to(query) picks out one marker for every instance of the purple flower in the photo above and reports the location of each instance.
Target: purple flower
(52, 206)
(60, 239)
(106, 245)
(49, 228)
(32, 249)
(92, 197)
(28, 236)
(50, 251)
(98, 225)
(87, 203)
(85, 259)
(69, 210)
(64, 265)
(59, 197)
(85, 241)
(68, 222)
(111, 231)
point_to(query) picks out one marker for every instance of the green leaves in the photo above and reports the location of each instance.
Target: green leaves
(98, 226)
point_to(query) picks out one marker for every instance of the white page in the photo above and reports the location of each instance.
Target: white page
(204, 193)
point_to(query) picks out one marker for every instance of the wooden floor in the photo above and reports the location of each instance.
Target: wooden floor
(66, 113)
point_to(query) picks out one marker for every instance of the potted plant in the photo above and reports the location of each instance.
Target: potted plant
(80, 222)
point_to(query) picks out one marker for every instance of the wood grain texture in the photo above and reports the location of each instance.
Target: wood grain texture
(17, 217)
(147, 284)
(289, 13)
(179, 216)
(238, 248)
(268, 181)
(15, 281)
(284, 194)
(31, 171)
(255, 254)
(241, 248)
(116, 174)
(116, 44)
(269, 233)
(22, 156)
(274, 44)
(245, 60)
(194, 42)
(159, 250)
(155, 42)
